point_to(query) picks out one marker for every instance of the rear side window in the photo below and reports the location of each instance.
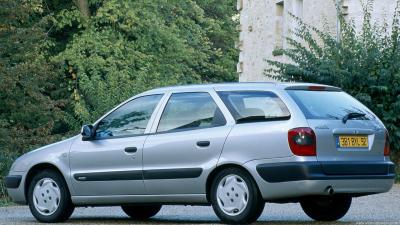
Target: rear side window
(332, 105)
(254, 106)
(187, 111)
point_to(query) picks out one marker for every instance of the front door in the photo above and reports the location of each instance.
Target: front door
(111, 164)
(186, 145)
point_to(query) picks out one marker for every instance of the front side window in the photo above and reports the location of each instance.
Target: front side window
(129, 119)
(254, 106)
(185, 111)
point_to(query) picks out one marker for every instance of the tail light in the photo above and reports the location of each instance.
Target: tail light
(386, 151)
(302, 141)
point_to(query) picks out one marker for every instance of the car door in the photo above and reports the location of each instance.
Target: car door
(111, 163)
(185, 146)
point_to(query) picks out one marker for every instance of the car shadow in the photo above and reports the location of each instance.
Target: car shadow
(177, 220)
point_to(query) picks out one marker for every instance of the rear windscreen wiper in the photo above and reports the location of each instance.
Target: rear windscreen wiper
(352, 115)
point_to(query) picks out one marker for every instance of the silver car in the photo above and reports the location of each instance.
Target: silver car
(234, 146)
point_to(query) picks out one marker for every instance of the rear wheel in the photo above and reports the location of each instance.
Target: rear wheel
(235, 197)
(49, 198)
(326, 208)
(141, 212)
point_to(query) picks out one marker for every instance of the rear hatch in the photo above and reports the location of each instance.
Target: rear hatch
(346, 131)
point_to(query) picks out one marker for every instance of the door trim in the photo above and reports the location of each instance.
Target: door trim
(108, 176)
(180, 173)
(172, 173)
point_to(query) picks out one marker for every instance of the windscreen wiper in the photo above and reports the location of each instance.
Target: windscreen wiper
(352, 115)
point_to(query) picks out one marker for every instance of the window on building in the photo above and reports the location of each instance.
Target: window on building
(298, 8)
(279, 25)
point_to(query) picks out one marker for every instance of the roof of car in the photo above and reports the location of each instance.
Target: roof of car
(233, 85)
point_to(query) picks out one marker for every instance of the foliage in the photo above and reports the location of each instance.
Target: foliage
(31, 91)
(127, 47)
(62, 65)
(6, 201)
(364, 63)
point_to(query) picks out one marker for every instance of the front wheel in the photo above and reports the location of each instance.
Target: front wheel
(141, 212)
(48, 197)
(235, 197)
(326, 208)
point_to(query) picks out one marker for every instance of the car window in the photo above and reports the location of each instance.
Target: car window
(190, 111)
(332, 105)
(253, 106)
(129, 119)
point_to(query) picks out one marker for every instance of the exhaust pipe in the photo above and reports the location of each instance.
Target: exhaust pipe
(330, 190)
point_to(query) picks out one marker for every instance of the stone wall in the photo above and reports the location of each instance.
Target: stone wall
(265, 23)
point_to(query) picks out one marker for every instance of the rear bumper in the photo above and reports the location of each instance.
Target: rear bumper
(313, 170)
(293, 177)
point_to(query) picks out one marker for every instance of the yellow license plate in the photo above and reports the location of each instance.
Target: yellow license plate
(353, 141)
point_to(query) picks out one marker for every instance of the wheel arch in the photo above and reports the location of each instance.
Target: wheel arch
(218, 169)
(35, 170)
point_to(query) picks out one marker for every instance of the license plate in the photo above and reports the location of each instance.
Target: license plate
(353, 141)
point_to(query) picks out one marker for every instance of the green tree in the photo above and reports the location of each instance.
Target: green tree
(126, 47)
(63, 62)
(366, 64)
(31, 91)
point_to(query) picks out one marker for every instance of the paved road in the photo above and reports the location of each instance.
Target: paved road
(375, 209)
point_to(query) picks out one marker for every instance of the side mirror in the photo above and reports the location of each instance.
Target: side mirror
(87, 132)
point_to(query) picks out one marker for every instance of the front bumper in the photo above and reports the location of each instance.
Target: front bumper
(13, 181)
(293, 177)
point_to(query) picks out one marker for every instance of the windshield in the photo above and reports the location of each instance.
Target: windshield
(333, 105)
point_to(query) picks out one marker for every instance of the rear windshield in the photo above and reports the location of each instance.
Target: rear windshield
(253, 106)
(328, 104)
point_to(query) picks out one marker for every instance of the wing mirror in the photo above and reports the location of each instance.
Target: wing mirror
(87, 132)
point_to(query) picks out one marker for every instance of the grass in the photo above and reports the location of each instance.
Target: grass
(5, 201)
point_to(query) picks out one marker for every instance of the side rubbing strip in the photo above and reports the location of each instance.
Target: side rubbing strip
(105, 176)
(137, 174)
(172, 173)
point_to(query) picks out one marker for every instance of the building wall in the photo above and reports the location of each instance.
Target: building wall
(264, 24)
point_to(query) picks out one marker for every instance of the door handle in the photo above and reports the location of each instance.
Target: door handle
(203, 143)
(130, 149)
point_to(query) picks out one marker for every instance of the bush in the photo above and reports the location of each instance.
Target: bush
(5, 163)
(364, 63)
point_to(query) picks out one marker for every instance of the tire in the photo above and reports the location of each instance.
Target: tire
(225, 183)
(52, 192)
(326, 208)
(141, 212)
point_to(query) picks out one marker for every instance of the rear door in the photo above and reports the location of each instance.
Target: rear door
(361, 139)
(185, 146)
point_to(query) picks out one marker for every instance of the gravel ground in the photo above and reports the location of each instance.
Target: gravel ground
(374, 209)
